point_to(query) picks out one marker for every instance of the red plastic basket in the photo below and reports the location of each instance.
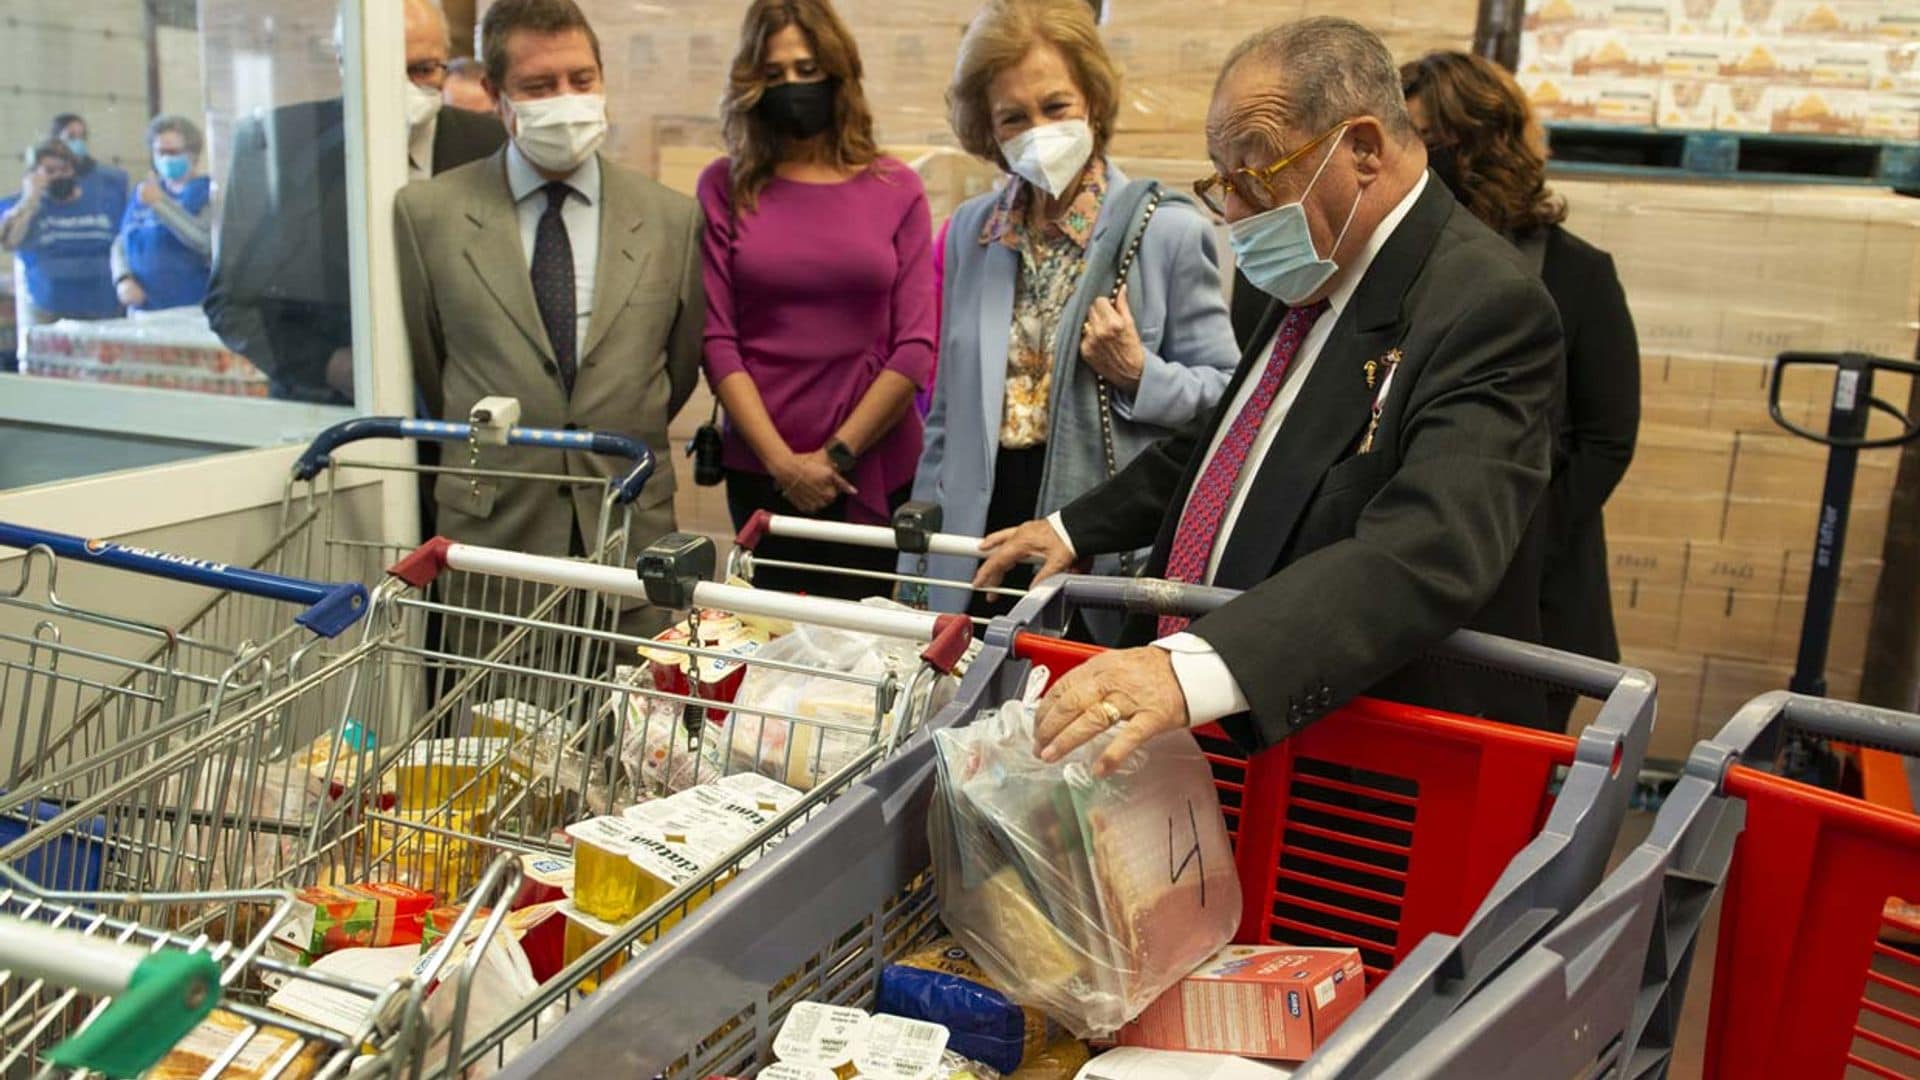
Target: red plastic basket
(1804, 984)
(1373, 827)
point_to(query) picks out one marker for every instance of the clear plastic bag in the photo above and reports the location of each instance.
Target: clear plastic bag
(1084, 897)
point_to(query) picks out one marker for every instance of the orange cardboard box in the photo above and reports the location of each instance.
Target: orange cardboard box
(1259, 1001)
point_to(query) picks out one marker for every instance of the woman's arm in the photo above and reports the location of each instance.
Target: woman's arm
(720, 353)
(193, 230)
(1187, 348)
(17, 223)
(1603, 394)
(909, 361)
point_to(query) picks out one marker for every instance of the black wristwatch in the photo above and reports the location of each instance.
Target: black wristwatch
(841, 457)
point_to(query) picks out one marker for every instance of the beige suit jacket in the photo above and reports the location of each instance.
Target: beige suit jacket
(475, 331)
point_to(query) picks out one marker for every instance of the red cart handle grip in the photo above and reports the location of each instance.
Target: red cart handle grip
(420, 566)
(951, 636)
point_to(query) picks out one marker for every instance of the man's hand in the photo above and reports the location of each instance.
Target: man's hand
(1110, 344)
(810, 482)
(130, 292)
(1134, 688)
(340, 371)
(1009, 547)
(33, 185)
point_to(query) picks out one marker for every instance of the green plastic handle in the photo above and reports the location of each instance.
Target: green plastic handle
(170, 993)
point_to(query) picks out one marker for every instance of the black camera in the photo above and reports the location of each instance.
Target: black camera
(704, 449)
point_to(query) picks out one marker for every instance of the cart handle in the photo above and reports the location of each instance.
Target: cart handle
(908, 533)
(331, 608)
(319, 454)
(946, 636)
(1845, 365)
(1757, 732)
(157, 996)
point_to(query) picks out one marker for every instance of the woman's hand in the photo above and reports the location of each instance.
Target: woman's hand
(1110, 343)
(130, 292)
(150, 190)
(809, 481)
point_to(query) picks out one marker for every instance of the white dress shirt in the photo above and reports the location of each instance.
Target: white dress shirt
(420, 148)
(581, 213)
(1210, 689)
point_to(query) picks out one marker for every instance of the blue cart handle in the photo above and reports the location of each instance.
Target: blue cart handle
(330, 608)
(319, 454)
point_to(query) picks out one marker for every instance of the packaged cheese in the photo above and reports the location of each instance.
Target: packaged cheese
(269, 1052)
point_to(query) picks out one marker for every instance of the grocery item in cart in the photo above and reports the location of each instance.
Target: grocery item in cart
(1258, 1001)
(818, 1040)
(1137, 1063)
(431, 850)
(583, 932)
(941, 983)
(327, 918)
(1061, 1059)
(462, 773)
(1084, 896)
(261, 1057)
(606, 885)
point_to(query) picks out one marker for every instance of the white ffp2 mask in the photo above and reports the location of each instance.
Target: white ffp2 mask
(423, 104)
(559, 133)
(1050, 156)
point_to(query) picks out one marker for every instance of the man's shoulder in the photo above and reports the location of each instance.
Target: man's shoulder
(1486, 263)
(449, 191)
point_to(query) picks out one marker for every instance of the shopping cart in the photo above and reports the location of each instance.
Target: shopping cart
(1815, 972)
(80, 680)
(516, 746)
(1461, 857)
(915, 530)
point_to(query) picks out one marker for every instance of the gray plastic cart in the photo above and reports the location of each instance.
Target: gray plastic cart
(1815, 972)
(1478, 859)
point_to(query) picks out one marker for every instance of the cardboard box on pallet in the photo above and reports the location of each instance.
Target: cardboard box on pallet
(1730, 600)
(1686, 103)
(1646, 576)
(1785, 523)
(1680, 460)
(1789, 469)
(1852, 616)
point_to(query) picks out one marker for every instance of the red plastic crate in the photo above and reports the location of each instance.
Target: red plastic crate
(1803, 984)
(1376, 825)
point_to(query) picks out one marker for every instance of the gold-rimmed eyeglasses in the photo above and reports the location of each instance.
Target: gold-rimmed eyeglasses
(1212, 191)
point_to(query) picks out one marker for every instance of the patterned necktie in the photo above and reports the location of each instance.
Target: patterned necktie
(1206, 510)
(553, 279)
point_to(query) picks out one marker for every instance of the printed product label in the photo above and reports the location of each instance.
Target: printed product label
(819, 1035)
(896, 1048)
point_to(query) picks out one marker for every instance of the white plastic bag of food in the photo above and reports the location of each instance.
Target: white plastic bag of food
(1084, 897)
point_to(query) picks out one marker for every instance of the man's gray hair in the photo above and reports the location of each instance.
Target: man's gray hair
(1332, 69)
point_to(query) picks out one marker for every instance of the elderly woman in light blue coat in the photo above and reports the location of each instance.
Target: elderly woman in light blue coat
(1030, 341)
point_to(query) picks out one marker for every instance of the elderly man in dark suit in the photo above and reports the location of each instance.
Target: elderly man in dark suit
(1372, 473)
(278, 293)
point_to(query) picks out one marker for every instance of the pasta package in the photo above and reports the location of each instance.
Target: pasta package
(268, 1052)
(941, 984)
(1085, 897)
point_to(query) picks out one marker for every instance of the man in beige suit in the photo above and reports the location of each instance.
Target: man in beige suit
(547, 273)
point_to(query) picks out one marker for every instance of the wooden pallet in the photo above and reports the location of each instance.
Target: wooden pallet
(1733, 156)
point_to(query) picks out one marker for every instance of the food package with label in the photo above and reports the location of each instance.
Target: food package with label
(436, 851)
(941, 984)
(817, 1041)
(543, 879)
(606, 885)
(538, 928)
(666, 745)
(346, 758)
(724, 642)
(1276, 1002)
(327, 918)
(261, 1057)
(458, 774)
(1086, 897)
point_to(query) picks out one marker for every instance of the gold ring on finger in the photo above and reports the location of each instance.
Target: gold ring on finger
(1111, 711)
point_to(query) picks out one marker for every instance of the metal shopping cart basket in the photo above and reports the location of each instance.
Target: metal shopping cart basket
(1464, 855)
(494, 765)
(79, 681)
(914, 530)
(1816, 971)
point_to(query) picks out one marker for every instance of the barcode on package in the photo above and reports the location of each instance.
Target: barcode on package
(1323, 993)
(895, 1048)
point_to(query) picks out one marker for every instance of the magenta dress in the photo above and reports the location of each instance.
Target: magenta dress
(814, 293)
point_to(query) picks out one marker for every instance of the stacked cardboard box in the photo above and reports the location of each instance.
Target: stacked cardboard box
(1801, 67)
(1712, 530)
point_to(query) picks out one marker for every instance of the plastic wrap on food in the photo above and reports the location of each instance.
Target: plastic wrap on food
(1083, 896)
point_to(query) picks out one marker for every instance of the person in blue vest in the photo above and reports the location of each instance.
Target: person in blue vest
(71, 128)
(60, 229)
(161, 258)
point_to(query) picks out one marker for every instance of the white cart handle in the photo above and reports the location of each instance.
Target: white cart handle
(908, 533)
(946, 636)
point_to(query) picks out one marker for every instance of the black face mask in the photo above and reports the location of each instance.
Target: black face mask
(798, 110)
(1445, 163)
(62, 188)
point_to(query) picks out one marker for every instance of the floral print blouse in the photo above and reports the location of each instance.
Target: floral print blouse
(1051, 261)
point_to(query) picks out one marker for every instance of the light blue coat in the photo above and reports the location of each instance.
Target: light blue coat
(1179, 307)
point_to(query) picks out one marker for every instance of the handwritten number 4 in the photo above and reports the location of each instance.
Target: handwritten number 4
(1193, 856)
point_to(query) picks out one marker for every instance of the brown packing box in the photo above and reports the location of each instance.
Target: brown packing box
(1852, 615)
(1678, 515)
(1785, 467)
(1728, 683)
(1792, 524)
(1646, 575)
(1677, 680)
(1676, 487)
(1676, 391)
(1731, 597)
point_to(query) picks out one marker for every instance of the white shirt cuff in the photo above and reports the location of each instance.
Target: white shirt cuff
(1060, 530)
(1210, 690)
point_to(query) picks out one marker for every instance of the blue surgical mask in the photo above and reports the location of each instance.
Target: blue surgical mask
(77, 144)
(173, 168)
(1275, 249)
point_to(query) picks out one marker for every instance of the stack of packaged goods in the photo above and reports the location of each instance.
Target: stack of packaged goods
(169, 350)
(1788, 67)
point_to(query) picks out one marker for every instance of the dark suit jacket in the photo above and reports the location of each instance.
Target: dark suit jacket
(278, 293)
(1354, 564)
(1595, 423)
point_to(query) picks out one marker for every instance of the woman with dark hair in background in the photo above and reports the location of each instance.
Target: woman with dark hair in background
(71, 129)
(1483, 142)
(820, 297)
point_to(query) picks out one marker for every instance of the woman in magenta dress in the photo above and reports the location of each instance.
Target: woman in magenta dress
(820, 294)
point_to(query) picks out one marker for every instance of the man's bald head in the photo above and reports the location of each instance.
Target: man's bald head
(429, 43)
(1305, 77)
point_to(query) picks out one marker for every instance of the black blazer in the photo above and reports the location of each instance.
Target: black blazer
(1354, 564)
(278, 294)
(1596, 418)
(1596, 421)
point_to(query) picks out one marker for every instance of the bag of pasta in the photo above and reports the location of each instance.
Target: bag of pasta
(1083, 896)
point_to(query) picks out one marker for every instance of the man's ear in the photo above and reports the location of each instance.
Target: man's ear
(1370, 145)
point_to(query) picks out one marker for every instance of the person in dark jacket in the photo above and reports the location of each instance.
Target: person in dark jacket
(1483, 141)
